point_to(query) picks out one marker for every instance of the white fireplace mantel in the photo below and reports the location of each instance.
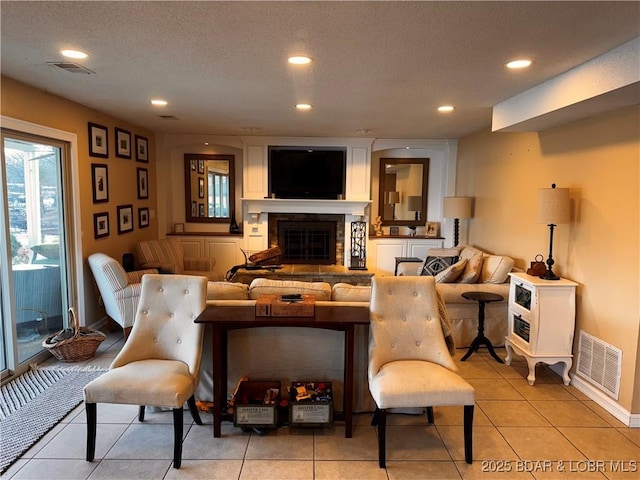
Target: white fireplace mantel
(256, 206)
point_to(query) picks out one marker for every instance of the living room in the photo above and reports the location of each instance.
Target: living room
(596, 156)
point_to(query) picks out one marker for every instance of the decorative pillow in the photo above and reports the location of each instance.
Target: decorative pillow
(495, 269)
(472, 269)
(449, 275)
(345, 292)
(434, 265)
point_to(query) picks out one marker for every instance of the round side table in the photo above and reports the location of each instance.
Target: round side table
(481, 298)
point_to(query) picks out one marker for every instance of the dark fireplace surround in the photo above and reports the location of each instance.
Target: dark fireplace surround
(308, 238)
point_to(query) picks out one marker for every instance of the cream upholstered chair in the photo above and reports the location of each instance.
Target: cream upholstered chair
(160, 363)
(120, 290)
(167, 255)
(410, 348)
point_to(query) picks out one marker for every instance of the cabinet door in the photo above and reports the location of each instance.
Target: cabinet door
(420, 247)
(386, 253)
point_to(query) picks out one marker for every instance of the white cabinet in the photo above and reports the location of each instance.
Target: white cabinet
(382, 251)
(541, 322)
(225, 249)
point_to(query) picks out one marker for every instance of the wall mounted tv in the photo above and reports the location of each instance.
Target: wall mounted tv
(307, 172)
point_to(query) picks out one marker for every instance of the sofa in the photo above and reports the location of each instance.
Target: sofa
(167, 256)
(469, 269)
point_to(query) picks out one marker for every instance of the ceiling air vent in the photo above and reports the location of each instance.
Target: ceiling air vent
(71, 67)
(168, 117)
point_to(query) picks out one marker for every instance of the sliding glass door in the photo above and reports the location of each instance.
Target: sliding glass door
(34, 286)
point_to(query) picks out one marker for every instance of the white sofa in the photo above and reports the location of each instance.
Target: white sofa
(487, 273)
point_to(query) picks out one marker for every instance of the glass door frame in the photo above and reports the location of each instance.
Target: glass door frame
(72, 226)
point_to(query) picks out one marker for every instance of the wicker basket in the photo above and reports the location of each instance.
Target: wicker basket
(82, 345)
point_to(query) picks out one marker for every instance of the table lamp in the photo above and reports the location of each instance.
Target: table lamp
(553, 209)
(392, 199)
(457, 208)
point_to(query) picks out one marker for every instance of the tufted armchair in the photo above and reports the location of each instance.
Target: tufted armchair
(410, 363)
(160, 363)
(167, 255)
(120, 291)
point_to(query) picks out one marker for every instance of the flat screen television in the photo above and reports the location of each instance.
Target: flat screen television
(307, 172)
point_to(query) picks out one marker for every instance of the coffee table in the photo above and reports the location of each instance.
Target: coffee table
(482, 298)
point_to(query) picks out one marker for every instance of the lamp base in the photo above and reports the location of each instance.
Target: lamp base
(549, 275)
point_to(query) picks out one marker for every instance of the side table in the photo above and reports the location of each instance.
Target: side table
(481, 298)
(400, 260)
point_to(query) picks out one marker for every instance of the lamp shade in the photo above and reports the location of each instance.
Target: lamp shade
(457, 207)
(553, 205)
(414, 203)
(393, 197)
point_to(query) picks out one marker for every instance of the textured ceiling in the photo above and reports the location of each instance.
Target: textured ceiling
(378, 66)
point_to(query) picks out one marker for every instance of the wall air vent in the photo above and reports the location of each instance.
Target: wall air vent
(71, 67)
(168, 117)
(600, 363)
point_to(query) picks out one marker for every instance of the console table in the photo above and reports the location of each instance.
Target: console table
(331, 317)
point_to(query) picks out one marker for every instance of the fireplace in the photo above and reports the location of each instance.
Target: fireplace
(306, 238)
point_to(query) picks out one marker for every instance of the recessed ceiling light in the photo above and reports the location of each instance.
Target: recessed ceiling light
(73, 54)
(299, 60)
(303, 106)
(519, 64)
(159, 103)
(446, 108)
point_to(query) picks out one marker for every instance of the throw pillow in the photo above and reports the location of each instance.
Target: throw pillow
(449, 275)
(472, 269)
(496, 268)
(434, 265)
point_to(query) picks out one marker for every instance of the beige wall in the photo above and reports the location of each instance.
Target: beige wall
(598, 160)
(25, 103)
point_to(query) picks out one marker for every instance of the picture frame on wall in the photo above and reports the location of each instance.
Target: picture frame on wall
(194, 209)
(200, 187)
(142, 149)
(143, 183)
(201, 209)
(125, 219)
(98, 141)
(100, 225)
(123, 143)
(143, 217)
(100, 182)
(432, 229)
(200, 166)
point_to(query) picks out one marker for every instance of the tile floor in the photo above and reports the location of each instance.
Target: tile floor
(546, 431)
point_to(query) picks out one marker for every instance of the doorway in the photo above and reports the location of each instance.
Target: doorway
(35, 282)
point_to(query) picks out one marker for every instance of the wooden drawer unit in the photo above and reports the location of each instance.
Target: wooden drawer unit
(541, 321)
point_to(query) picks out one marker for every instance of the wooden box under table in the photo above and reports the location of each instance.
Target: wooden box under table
(277, 306)
(316, 409)
(256, 404)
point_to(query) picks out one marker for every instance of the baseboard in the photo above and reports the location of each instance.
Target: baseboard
(631, 420)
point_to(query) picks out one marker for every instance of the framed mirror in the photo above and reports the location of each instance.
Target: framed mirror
(403, 191)
(209, 187)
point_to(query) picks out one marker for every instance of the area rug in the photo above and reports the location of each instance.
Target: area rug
(35, 402)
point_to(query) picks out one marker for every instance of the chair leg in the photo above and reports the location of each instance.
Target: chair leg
(376, 417)
(468, 433)
(430, 415)
(194, 410)
(141, 413)
(382, 437)
(177, 437)
(91, 411)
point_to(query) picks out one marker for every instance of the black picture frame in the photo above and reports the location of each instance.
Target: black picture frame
(100, 225)
(200, 187)
(143, 183)
(194, 209)
(98, 140)
(201, 209)
(143, 217)
(123, 143)
(125, 219)
(200, 166)
(142, 149)
(100, 182)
